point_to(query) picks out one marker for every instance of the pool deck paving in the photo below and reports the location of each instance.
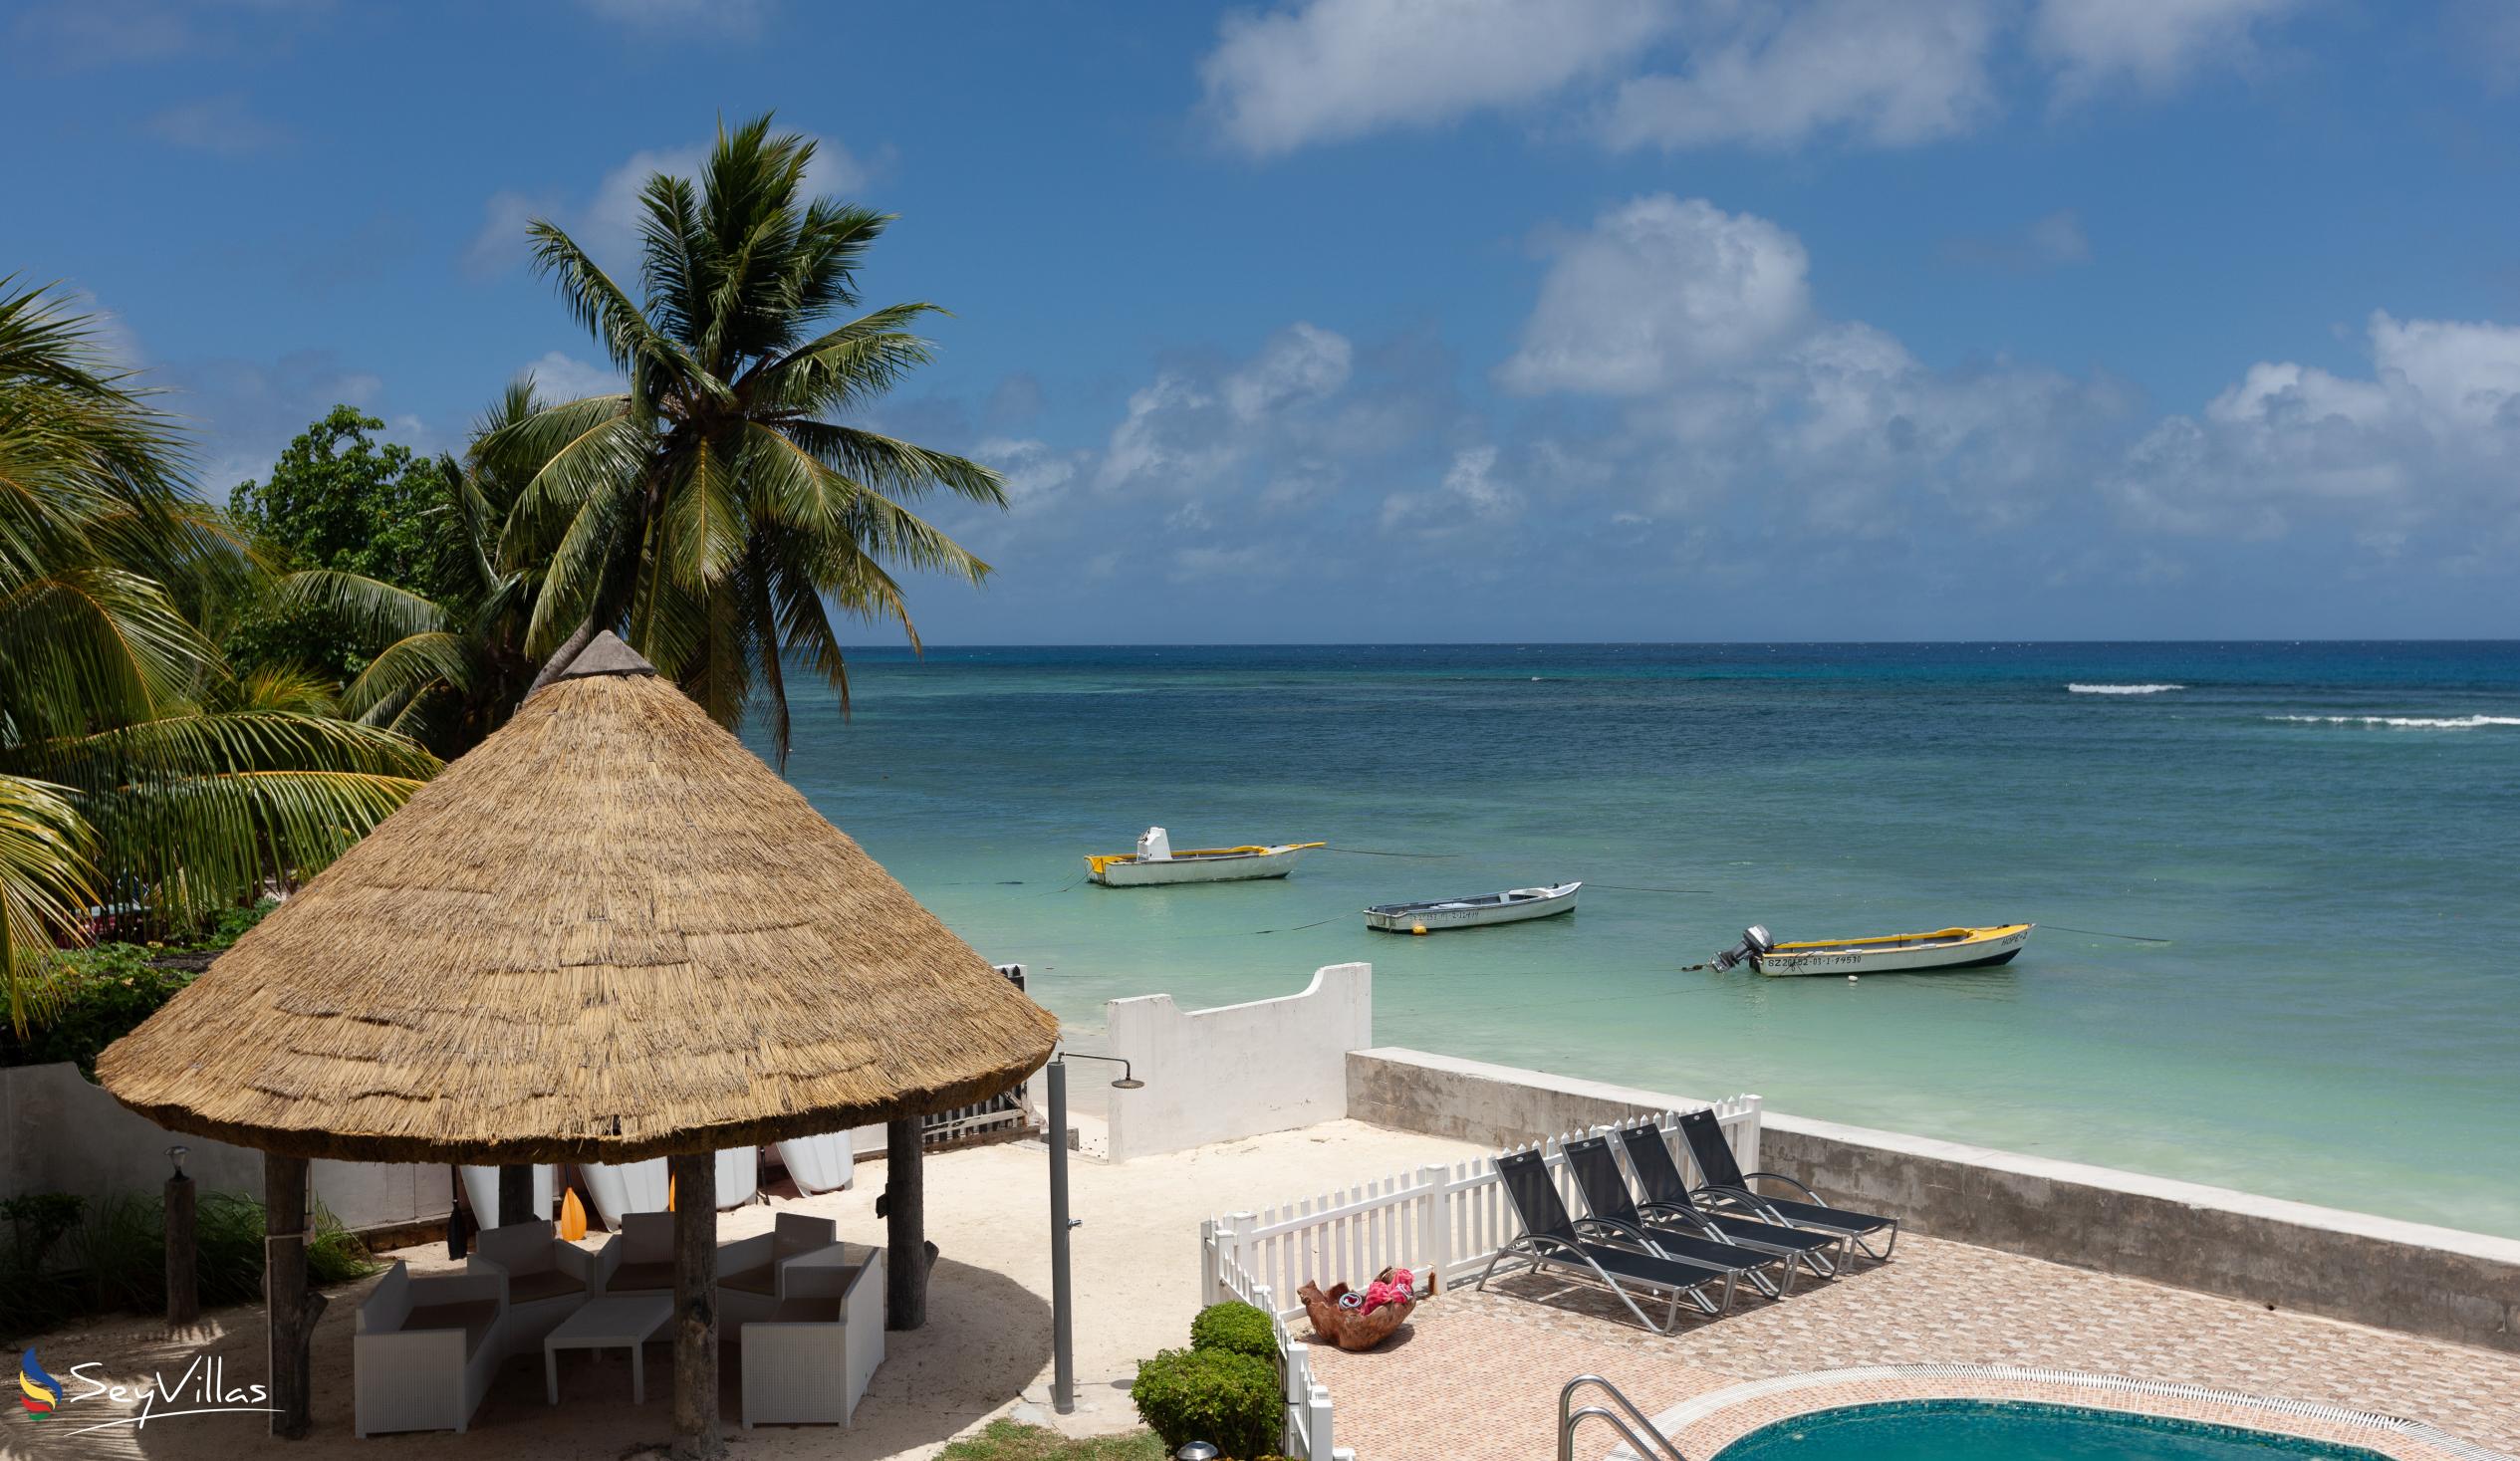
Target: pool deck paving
(1477, 1375)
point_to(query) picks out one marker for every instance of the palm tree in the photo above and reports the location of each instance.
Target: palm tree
(134, 770)
(716, 511)
(445, 671)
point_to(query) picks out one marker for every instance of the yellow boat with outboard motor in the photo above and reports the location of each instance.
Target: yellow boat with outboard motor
(1156, 865)
(1891, 954)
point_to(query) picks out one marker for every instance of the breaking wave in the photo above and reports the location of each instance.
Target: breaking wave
(2082, 689)
(2406, 722)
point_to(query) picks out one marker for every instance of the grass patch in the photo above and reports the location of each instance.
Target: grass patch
(1012, 1440)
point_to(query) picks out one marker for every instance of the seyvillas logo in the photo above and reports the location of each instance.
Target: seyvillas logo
(40, 1393)
(202, 1389)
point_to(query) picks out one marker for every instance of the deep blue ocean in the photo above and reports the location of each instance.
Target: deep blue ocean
(2326, 836)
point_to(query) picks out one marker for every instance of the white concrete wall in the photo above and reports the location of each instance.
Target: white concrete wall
(61, 1132)
(1237, 1070)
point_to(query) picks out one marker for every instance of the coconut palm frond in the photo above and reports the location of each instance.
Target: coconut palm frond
(407, 670)
(46, 887)
(90, 642)
(371, 611)
(895, 467)
(282, 690)
(197, 843)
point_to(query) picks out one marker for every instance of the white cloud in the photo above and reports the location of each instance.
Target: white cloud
(106, 331)
(1169, 441)
(1472, 495)
(560, 376)
(2432, 435)
(502, 242)
(1677, 74)
(607, 223)
(1774, 75)
(1328, 70)
(222, 126)
(1699, 323)
(1300, 363)
(1658, 291)
(1037, 474)
(1186, 432)
(2150, 44)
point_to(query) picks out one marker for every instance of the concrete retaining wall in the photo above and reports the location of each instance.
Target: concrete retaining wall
(1240, 1069)
(61, 1132)
(2410, 1277)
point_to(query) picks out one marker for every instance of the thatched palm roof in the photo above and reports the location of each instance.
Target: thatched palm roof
(608, 932)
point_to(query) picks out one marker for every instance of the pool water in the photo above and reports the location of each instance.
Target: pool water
(1992, 1430)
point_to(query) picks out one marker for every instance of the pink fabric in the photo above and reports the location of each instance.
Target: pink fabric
(1402, 1288)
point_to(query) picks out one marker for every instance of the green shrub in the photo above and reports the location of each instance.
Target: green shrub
(227, 925)
(1228, 1400)
(114, 1257)
(88, 999)
(1239, 1327)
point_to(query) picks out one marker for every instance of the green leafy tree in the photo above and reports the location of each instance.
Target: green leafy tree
(445, 667)
(336, 501)
(137, 771)
(722, 506)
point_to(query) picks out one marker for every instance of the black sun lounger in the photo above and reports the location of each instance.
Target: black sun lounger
(1605, 1189)
(1725, 1182)
(1552, 1240)
(1667, 1194)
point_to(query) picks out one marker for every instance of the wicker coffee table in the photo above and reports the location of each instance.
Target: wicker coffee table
(620, 1321)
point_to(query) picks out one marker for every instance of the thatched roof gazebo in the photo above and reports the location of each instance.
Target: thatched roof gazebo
(609, 932)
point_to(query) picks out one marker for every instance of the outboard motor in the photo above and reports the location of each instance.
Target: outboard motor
(1754, 942)
(1153, 845)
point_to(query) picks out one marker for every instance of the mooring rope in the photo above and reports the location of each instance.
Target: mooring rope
(2102, 933)
(1373, 853)
(1300, 927)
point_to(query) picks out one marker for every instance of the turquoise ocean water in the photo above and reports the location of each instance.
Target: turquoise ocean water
(2325, 834)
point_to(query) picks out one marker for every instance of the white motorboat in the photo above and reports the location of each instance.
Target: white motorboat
(1510, 906)
(1892, 953)
(1154, 863)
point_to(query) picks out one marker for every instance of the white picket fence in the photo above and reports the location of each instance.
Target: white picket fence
(1308, 1435)
(1450, 1219)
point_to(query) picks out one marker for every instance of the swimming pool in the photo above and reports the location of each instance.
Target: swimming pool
(2012, 1430)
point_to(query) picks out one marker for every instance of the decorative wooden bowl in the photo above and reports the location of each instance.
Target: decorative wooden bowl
(1348, 1329)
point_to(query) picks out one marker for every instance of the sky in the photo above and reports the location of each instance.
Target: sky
(1381, 320)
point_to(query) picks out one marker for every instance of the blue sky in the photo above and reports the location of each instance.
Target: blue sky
(1397, 320)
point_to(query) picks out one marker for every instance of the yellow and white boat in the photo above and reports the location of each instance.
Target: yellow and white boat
(1893, 953)
(1155, 864)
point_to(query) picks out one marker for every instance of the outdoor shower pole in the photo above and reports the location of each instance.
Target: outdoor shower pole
(1063, 1364)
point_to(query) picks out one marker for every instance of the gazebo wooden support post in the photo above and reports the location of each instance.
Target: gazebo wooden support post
(905, 1227)
(290, 1301)
(695, 1431)
(183, 1258)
